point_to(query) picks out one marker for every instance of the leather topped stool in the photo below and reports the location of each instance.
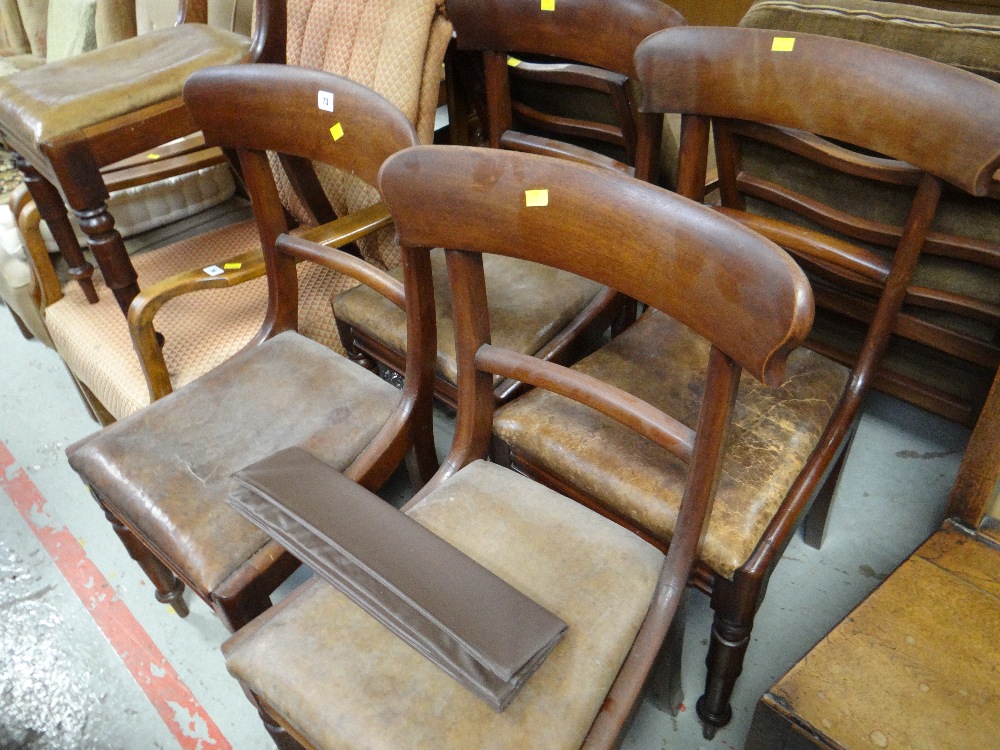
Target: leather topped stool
(70, 118)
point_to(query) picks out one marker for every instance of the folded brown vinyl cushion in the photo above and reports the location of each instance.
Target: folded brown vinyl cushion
(466, 620)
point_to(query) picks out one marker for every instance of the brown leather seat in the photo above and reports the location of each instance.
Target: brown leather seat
(42, 104)
(754, 85)
(331, 674)
(529, 305)
(165, 472)
(773, 432)
(321, 650)
(161, 474)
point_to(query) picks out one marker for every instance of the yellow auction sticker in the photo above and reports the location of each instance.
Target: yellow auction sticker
(536, 198)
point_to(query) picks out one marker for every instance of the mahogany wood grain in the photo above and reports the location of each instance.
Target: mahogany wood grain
(678, 286)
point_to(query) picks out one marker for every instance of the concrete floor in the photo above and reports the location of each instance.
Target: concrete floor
(91, 661)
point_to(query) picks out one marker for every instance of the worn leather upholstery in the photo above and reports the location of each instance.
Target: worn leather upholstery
(663, 362)
(318, 659)
(41, 104)
(528, 305)
(177, 502)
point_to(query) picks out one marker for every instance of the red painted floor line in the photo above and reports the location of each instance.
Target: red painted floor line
(179, 709)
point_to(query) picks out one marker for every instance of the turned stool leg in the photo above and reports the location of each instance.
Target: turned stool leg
(169, 589)
(281, 738)
(726, 652)
(109, 251)
(52, 209)
(78, 173)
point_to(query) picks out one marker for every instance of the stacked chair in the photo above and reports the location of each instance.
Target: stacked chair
(333, 676)
(540, 311)
(812, 100)
(483, 274)
(945, 352)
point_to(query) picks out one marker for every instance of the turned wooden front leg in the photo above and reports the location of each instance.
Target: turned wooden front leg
(169, 588)
(109, 251)
(52, 209)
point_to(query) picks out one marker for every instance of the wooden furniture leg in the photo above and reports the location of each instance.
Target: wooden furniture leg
(52, 209)
(169, 589)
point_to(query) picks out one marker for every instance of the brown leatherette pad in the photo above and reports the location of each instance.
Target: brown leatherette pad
(470, 623)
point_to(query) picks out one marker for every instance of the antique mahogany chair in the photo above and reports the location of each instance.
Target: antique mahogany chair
(393, 47)
(161, 475)
(68, 119)
(334, 677)
(540, 311)
(812, 100)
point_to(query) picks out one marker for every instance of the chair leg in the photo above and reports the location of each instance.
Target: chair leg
(665, 689)
(238, 610)
(354, 354)
(279, 735)
(726, 651)
(169, 589)
(52, 209)
(21, 326)
(814, 526)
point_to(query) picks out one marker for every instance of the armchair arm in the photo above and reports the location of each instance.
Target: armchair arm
(47, 287)
(149, 301)
(320, 242)
(320, 246)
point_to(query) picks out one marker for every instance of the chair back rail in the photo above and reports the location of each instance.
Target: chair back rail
(594, 50)
(524, 26)
(894, 104)
(885, 117)
(263, 94)
(696, 272)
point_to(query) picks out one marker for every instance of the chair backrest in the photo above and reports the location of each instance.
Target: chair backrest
(591, 42)
(738, 290)
(905, 125)
(236, 107)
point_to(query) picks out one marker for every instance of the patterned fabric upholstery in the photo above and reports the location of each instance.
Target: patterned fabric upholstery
(96, 346)
(394, 47)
